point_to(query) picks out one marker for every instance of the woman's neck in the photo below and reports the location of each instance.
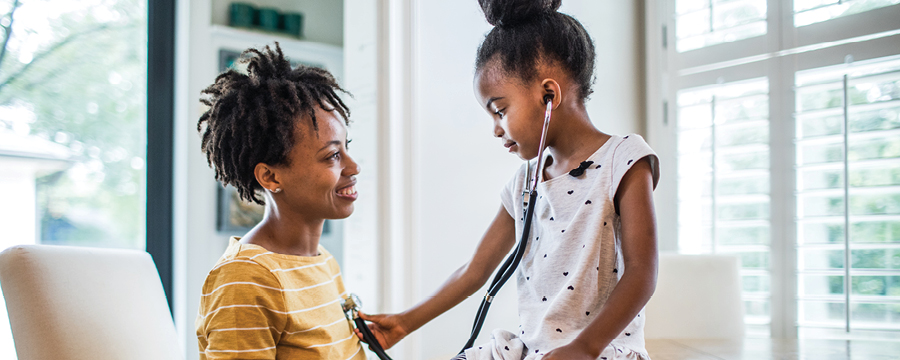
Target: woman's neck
(284, 232)
(574, 140)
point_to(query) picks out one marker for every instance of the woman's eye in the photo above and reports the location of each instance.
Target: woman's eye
(335, 156)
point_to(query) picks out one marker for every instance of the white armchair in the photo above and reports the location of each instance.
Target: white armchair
(697, 297)
(86, 303)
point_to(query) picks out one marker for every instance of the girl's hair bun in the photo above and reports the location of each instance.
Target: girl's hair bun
(506, 13)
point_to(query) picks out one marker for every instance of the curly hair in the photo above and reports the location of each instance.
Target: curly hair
(252, 117)
(527, 32)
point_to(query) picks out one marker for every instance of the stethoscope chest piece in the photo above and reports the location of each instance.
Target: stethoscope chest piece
(351, 306)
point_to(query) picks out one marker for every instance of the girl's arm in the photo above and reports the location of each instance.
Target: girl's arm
(638, 229)
(497, 241)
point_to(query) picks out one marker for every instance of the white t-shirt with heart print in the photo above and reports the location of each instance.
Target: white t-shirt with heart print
(572, 261)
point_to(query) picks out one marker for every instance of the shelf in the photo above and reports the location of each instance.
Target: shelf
(260, 38)
(330, 57)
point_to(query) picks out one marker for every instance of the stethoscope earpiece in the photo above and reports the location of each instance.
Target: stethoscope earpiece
(548, 98)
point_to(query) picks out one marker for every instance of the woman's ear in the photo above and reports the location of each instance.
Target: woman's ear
(267, 177)
(552, 92)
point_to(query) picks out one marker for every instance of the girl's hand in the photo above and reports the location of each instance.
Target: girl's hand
(576, 350)
(388, 329)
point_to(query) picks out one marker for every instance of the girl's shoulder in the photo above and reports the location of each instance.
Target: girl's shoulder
(629, 144)
(626, 152)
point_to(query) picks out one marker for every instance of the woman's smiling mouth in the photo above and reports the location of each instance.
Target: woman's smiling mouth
(348, 192)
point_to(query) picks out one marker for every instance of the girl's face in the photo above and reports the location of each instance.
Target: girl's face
(319, 180)
(517, 110)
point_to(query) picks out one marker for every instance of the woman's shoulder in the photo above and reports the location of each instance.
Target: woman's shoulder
(243, 260)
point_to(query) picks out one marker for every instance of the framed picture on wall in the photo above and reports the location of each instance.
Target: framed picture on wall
(234, 214)
(228, 59)
(238, 216)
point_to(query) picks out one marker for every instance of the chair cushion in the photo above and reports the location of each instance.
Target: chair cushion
(86, 303)
(697, 297)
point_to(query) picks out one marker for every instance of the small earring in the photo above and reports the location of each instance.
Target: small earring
(277, 190)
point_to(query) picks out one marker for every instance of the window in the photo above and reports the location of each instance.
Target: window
(848, 128)
(73, 106)
(73, 129)
(808, 12)
(702, 23)
(784, 145)
(723, 182)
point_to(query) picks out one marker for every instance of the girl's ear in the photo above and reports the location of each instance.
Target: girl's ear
(267, 177)
(552, 92)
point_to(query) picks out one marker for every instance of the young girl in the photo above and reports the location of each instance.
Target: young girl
(590, 263)
(279, 136)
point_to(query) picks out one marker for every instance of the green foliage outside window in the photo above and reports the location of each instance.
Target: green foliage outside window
(80, 68)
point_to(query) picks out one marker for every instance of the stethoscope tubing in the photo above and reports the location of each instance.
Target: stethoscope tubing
(370, 339)
(508, 268)
(512, 261)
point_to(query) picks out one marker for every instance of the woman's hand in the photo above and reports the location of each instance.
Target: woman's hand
(388, 329)
(576, 350)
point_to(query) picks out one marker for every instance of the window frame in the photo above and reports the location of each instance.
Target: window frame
(777, 55)
(160, 135)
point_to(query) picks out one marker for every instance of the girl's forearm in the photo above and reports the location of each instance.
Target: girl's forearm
(464, 282)
(624, 303)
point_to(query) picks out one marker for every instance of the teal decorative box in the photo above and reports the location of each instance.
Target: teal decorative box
(242, 15)
(292, 23)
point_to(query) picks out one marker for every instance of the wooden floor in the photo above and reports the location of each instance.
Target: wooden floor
(773, 349)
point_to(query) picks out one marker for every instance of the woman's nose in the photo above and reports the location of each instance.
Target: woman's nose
(351, 168)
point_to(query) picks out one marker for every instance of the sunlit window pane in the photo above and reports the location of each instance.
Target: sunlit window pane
(808, 12)
(876, 316)
(73, 104)
(830, 283)
(709, 22)
(723, 183)
(869, 200)
(821, 258)
(822, 313)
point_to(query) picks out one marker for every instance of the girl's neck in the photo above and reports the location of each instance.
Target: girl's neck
(574, 140)
(286, 233)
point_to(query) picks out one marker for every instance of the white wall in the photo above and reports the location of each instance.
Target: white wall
(360, 77)
(197, 243)
(455, 171)
(617, 105)
(460, 168)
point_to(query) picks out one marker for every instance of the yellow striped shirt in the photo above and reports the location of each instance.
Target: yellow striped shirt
(257, 304)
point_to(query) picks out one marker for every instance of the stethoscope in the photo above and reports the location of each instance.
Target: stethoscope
(351, 307)
(529, 196)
